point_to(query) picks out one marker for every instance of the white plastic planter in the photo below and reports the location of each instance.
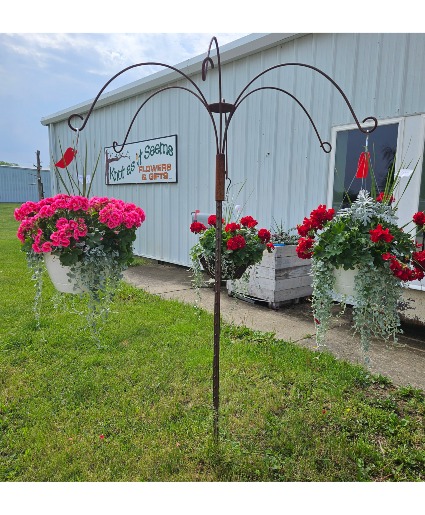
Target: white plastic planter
(344, 281)
(59, 276)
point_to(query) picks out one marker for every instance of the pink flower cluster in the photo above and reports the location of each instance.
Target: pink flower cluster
(64, 220)
(117, 213)
(47, 208)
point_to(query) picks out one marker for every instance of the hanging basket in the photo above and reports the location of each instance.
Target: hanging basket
(227, 274)
(344, 282)
(59, 276)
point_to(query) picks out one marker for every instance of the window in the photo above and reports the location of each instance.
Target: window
(350, 143)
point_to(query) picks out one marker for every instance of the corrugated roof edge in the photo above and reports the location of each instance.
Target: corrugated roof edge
(24, 168)
(242, 47)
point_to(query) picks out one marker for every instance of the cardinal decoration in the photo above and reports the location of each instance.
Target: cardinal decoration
(67, 158)
(363, 165)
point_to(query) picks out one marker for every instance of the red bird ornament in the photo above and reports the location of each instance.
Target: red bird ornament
(67, 158)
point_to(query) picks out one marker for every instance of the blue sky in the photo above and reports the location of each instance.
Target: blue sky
(42, 73)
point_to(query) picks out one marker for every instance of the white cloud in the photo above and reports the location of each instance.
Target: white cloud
(45, 73)
(109, 53)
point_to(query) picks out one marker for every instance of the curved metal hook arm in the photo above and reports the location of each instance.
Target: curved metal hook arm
(369, 118)
(205, 64)
(322, 143)
(208, 60)
(115, 144)
(120, 73)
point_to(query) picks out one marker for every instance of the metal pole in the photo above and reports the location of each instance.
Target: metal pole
(219, 197)
(39, 183)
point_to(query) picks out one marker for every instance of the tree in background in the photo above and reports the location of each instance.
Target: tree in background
(8, 164)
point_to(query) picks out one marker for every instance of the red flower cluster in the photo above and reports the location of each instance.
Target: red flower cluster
(321, 215)
(212, 220)
(419, 219)
(316, 221)
(304, 248)
(232, 227)
(248, 221)
(235, 236)
(384, 198)
(419, 259)
(264, 235)
(305, 228)
(403, 271)
(237, 242)
(380, 234)
(197, 227)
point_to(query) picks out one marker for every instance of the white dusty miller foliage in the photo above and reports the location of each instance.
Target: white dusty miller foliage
(364, 209)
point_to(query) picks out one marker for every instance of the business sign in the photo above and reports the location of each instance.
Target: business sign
(144, 162)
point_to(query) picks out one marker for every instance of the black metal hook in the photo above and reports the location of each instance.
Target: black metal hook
(344, 96)
(322, 143)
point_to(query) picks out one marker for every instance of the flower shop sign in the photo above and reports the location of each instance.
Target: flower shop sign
(144, 162)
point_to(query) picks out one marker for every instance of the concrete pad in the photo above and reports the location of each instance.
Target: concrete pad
(403, 363)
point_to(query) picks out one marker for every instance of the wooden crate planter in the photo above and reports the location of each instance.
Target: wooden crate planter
(281, 277)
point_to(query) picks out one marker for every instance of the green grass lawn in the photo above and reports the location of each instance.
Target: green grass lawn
(287, 414)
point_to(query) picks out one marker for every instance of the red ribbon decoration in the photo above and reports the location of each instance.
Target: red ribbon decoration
(363, 165)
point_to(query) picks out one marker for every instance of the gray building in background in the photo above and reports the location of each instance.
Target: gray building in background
(272, 148)
(20, 184)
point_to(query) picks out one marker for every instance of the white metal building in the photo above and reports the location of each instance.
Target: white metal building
(272, 146)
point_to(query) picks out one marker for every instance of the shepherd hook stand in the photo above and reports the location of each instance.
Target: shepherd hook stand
(225, 112)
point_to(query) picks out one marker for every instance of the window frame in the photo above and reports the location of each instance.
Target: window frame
(353, 126)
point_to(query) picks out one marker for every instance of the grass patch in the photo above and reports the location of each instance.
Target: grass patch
(139, 407)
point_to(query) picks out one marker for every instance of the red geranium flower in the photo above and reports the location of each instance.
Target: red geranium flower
(237, 242)
(420, 274)
(248, 221)
(212, 220)
(419, 218)
(380, 234)
(386, 256)
(197, 227)
(232, 227)
(304, 248)
(419, 258)
(383, 198)
(305, 228)
(320, 216)
(270, 245)
(264, 235)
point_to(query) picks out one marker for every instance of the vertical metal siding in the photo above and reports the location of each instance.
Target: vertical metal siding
(272, 146)
(20, 184)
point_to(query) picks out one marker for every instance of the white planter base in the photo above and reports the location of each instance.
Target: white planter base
(344, 286)
(344, 281)
(58, 275)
